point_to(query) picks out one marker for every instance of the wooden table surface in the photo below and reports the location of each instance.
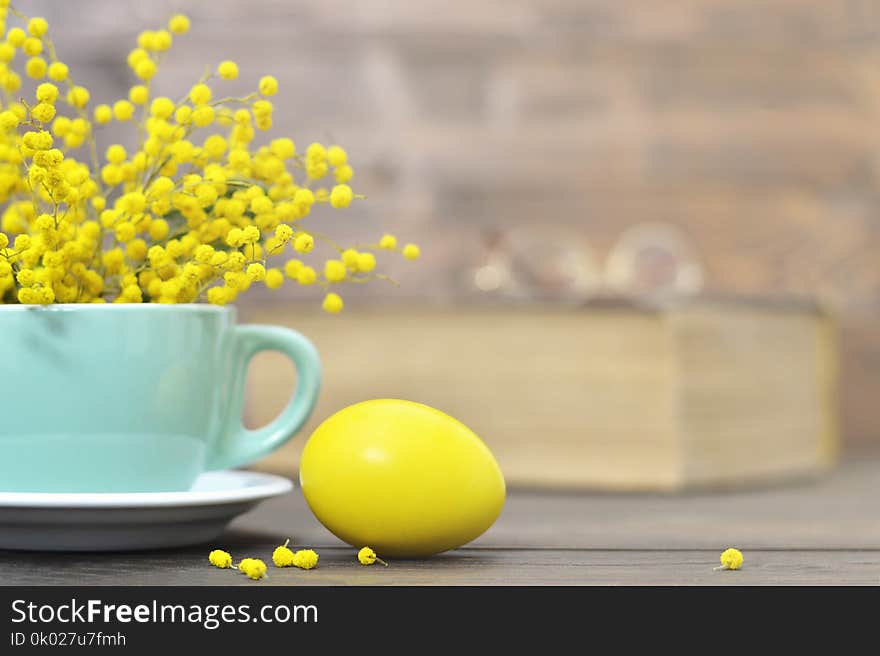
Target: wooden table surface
(813, 532)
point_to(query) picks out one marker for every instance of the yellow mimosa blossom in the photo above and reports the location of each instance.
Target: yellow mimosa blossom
(283, 556)
(305, 559)
(731, 559)
(228, 70)
(179, 24)
(333, 303)
(367, 556)
(221, 559)
(253, 568)
(195, 211)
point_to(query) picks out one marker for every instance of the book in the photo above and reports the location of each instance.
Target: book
(614, 395)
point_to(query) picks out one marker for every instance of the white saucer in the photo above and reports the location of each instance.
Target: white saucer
(140, 520)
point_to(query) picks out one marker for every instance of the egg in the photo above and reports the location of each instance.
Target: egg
(400, 477)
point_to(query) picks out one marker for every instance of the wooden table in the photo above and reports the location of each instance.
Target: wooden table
(813, 532)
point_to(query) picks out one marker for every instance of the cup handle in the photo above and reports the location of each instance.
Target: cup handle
(240, 446)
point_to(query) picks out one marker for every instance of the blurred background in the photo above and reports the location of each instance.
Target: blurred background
(526, 145)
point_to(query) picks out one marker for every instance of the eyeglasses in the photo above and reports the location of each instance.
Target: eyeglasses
(648, 260)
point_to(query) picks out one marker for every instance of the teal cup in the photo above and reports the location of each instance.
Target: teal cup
(135, 398)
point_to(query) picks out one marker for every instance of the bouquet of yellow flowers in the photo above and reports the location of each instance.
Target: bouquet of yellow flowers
(197, 212)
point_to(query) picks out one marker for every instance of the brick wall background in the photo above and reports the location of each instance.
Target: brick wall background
(750, 124)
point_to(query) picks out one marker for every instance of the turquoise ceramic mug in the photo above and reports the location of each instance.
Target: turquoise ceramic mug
(135, 398)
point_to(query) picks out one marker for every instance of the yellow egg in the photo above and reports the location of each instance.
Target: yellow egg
(400, 477)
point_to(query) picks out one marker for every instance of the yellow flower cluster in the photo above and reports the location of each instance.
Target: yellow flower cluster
(283, 556)
(197, 211)
(255, 568)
